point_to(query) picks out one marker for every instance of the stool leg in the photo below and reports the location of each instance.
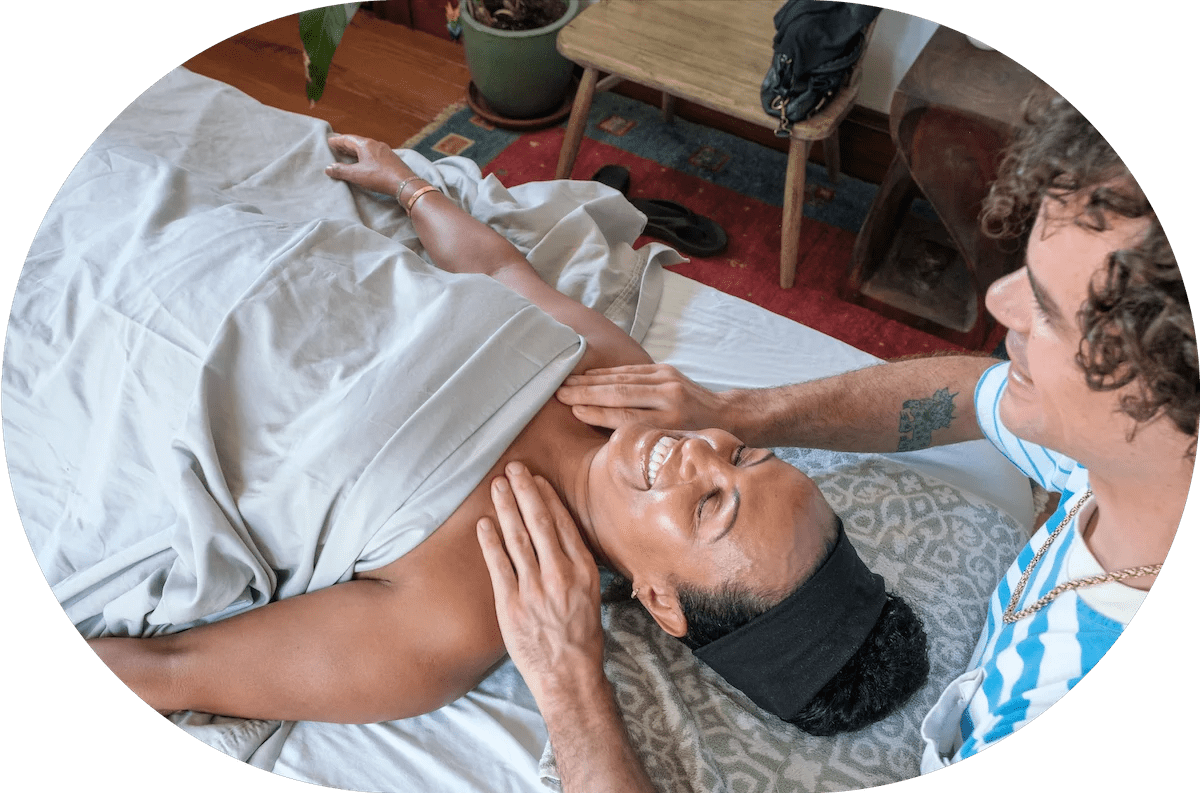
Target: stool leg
(793, 211)
(577, 124)
(832, 150)
(668, 108)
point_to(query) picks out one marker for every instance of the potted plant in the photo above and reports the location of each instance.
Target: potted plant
(511, 54)
(509, 47)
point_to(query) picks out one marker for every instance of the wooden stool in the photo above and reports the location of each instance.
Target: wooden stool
(711, 52)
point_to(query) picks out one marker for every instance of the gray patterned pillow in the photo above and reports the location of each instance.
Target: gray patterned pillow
(940, 548)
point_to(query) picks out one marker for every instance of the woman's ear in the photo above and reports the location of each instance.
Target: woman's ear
(663, 605)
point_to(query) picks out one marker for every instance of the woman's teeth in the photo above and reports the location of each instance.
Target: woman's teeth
(657, 455)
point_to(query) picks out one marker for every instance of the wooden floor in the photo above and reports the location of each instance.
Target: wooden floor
(387, 81)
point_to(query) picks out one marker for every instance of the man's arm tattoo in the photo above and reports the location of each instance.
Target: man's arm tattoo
(920, 417)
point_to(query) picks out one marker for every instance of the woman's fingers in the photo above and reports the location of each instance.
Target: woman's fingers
(339, 170)
(376, 167)
(346, 144)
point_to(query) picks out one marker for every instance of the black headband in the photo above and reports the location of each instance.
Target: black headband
(783, 657)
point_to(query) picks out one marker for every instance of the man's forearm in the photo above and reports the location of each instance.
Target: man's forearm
(592, 748)
(891, 407)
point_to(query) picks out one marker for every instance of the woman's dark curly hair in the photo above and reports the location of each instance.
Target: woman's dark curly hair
(1137, 323)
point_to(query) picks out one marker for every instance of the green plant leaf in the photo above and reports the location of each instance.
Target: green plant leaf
(321, 31)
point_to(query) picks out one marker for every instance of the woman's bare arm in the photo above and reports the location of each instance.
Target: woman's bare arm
(367, 650)
(457, 242)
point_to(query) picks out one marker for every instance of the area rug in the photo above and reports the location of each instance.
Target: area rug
(737, 183)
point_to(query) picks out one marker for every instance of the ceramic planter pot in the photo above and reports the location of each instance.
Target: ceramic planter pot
(519, 73)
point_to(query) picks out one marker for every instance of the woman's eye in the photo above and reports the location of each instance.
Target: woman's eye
(738, 454)
(703, 502)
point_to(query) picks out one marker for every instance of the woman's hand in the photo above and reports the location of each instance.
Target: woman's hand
(378, 167)
(547, 590)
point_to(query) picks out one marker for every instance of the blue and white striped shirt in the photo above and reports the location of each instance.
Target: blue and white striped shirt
(1019, 670)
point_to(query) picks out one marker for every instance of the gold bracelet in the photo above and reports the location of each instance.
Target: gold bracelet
(403, 185)
(420, 192)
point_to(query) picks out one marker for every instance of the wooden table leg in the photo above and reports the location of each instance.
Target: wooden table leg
(668, 108)
(577, 124)
(793, 211)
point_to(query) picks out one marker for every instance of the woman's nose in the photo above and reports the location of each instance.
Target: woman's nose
(699, 455)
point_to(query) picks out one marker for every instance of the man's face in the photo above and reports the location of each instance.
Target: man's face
(1047, 401)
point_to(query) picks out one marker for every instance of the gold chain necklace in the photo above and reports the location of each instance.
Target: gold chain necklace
(1012, 615)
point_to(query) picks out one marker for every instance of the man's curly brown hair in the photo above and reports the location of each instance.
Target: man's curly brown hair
(1136, 323)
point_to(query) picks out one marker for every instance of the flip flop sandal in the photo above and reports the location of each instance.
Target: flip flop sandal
(684, 229)
(615, 176)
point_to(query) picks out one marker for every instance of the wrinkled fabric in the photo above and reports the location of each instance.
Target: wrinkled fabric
(226, 373)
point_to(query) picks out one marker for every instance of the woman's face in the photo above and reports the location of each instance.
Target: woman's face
(700, 508)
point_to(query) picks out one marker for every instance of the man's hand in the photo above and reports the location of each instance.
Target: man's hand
(377, 168)
(655, 394)
(546, 585)
(547, 592)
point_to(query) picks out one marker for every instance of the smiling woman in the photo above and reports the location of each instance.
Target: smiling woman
(699, 508)
(739, 555)
(415, 627)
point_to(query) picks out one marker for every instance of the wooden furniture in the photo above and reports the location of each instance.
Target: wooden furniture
(951, 117)
(711, 52)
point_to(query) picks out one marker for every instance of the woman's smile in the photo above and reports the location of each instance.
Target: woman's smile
(672, 506)
(656, 458)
